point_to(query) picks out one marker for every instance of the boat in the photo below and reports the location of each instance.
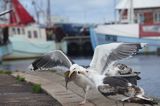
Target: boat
(138, 21)
(5, 45)
(28, 38)
(5, 49)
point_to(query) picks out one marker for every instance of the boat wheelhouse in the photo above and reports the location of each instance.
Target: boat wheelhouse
(28, 38)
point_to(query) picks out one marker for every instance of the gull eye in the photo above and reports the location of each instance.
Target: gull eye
(79, 72)
(87, 71)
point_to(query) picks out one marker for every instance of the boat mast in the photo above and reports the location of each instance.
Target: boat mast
(131, 12)
(115, 12)
(5, 6)
(48, 14)
(36, 11)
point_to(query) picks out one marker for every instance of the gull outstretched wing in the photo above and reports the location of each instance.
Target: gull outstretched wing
(129, 91)
(105, 54)
(51, 60)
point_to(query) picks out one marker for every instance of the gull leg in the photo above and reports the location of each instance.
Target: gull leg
(123, 103)
(85, 95)
(116, 103)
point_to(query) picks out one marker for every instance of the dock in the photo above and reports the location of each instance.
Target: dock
(18, 93)
(54, 84)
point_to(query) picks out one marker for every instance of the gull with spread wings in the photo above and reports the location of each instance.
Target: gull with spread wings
(100, 74)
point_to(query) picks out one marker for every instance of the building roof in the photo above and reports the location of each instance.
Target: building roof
(124, 4)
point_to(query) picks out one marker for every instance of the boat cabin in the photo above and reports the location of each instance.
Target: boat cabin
(31, 33)
(143, 11)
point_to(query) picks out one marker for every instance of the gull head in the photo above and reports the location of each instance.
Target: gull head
(75, 68)
(31, 68)
(74, 71)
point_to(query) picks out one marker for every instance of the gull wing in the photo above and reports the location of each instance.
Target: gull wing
(121, 86)
(51, 60)
(113, 85)
(105, 54)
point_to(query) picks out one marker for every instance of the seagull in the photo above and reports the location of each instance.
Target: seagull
(100, 73)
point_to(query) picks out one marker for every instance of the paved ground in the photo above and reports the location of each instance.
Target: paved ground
(14, 93)
(54, 85)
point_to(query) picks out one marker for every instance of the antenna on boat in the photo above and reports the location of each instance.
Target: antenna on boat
(131, 12)
(48, 13)
(35, 8)
(39, 11)
(115, 12)
(5, 8)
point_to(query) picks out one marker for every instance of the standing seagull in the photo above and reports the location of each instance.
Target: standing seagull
(96, 76)
(58, 61)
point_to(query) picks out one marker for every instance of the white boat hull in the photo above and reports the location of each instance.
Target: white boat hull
(22, 48)
(102, 38)
(5, 50)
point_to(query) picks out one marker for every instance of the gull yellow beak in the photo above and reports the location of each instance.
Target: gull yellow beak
(70, 73)
(68, 77)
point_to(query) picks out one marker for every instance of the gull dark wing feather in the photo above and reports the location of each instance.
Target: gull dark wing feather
(113, 86)
(105, 54)
(124, 50)
(51, 60)
(130, 92)
(116, 81)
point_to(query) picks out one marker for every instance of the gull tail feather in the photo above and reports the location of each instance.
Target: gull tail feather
(146, 99)
(143, 45)
(140, 99)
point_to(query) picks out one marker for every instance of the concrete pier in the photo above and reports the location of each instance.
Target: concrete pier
(14, 92)
(54, 85)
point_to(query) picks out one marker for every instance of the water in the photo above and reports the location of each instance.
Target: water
(149, 66)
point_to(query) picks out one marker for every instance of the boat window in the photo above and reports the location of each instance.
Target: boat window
(23, 31)
(35, 34)
(114, 38)
(13, 30)
(157, 17)
(141, 18)
(110, 38)
(107, 37)
(29, 34)
(18, 31)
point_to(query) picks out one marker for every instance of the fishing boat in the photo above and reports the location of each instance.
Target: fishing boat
(5, 50)
(28, 38)
(138, 21)
(5, 45)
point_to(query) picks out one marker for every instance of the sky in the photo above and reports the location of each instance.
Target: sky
(77, 11)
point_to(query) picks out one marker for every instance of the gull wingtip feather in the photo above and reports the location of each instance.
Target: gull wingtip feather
(143, 44)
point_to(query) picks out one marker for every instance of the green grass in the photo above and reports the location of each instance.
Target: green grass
(5, 72)
(36, 88)
(21, 79)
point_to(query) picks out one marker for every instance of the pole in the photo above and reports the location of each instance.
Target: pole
(48, 14)
(131, 12)
(115, 11)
